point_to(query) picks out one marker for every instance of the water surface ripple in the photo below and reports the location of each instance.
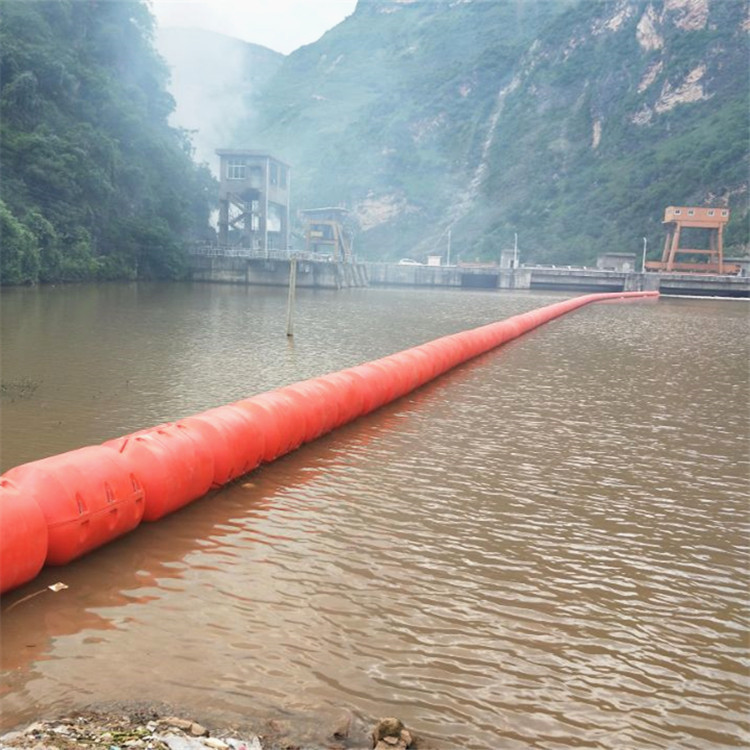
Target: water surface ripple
(545, 548)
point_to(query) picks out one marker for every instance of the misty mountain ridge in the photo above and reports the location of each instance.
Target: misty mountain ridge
(213, 78)
(569, 122)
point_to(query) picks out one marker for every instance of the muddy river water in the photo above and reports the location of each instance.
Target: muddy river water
(545, 548)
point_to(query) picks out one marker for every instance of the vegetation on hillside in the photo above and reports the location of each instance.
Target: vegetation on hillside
(598, 155)
(394, 101)
(95, 184)
(545, 118)
(569, 123)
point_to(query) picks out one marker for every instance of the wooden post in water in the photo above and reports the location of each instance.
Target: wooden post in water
(290, 299)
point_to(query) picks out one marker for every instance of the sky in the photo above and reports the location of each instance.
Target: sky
(281, 25)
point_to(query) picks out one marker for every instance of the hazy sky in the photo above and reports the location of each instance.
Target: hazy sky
(282, 25)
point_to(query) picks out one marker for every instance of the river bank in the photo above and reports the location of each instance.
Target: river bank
(149, 727)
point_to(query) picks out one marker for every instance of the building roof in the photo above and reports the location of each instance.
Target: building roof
(249, 152)
(708, 216)
(328, 209)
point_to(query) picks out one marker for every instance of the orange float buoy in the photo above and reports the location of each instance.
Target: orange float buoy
(232, 438)
(87, 496)
(172, 464)
(288, 417)
(268, 424)
(347, 394)
(23, 536)
(316, 412)
(58, 508)
(337, 409)
(373, 384)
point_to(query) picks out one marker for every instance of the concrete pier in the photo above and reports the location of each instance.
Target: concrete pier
(235, 266)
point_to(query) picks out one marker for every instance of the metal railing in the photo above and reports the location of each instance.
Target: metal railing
(233, 251)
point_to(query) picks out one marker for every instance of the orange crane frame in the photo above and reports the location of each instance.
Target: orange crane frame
(678, 217)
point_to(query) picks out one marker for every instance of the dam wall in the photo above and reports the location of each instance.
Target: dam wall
(272, 269)
(566, 278)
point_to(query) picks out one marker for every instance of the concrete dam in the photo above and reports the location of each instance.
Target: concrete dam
(258, 268)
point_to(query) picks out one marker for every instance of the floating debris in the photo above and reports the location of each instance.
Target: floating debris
(18, 390)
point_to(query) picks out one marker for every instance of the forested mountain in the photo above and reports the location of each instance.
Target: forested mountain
(573, 123)
(95, 183)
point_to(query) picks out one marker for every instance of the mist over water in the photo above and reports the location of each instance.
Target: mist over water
(544, 548)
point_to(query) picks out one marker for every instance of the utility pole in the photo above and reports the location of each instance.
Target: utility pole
(448, 261)
(265, 211)
(515, 250)
(290, 299)
(643, 261)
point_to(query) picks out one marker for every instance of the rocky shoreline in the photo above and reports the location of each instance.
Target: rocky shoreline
(151, 729)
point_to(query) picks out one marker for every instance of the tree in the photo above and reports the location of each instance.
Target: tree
(19, 259)
(91, 167)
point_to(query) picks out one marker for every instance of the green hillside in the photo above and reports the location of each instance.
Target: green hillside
(95, 184)
(569, 123)
(573, 124)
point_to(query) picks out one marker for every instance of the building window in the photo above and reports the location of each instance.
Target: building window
(236, 169)
(725, 213)
(282, 177)
(691, 212)
(274, 174)
(677, 212)
(710, 212)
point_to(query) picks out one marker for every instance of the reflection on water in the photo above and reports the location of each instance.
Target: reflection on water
(544, 548)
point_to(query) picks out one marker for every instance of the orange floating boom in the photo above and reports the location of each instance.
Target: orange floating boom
(58, 508)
